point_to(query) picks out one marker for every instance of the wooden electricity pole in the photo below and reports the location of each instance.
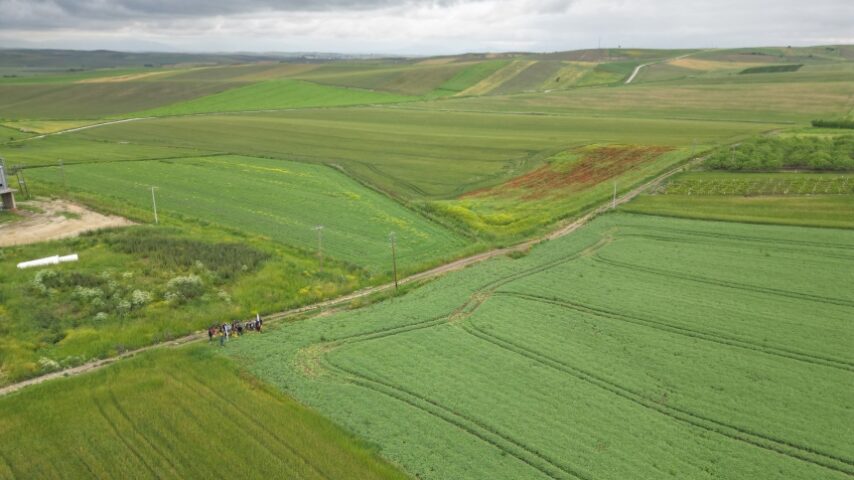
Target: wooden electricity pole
(319, 230)
(154, 204)
(393, 258)
(62, 171)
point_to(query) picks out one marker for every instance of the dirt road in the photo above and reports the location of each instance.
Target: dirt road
(563, 230)
(55, 219)
(641, 66)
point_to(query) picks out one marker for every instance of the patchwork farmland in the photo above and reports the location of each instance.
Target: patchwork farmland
(507, 266)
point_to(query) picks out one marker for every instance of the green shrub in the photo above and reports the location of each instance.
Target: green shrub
(840, 123)
(771, 69)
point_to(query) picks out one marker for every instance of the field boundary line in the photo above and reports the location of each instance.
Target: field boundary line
(783, 447)
(725, 283)
(679, 330)
(459, 264)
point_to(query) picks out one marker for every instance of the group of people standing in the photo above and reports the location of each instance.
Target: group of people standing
(226, 330)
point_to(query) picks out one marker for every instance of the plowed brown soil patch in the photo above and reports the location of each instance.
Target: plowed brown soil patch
(597, 165)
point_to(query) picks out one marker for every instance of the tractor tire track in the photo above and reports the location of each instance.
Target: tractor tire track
(115, 401)
(745, 238)
(280, 441)
(688, 332)
(125, 442)
(553, 469)
(710, 243)
(217, 407)
(475, 428)
(799, 452)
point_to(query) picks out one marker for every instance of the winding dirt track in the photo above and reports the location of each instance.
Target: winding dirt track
(564, 229)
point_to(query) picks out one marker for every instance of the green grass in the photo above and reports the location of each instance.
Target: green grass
(122, 294)
(414, 153)
(179, 414)
(635, 348)
(277, 95)
(278, 199)
(8, 217)
(8, 134)
(72, 149)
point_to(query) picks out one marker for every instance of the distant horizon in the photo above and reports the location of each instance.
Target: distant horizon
(410, 55)
(419, 27)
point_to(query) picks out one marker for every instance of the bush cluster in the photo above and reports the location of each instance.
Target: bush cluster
(802, 153)
(165, 251)
(839, 123)
(771, 69)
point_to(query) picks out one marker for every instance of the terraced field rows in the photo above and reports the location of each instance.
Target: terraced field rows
(558, 361)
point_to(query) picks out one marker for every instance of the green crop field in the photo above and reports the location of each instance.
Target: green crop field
(278, 95)
(96, 100)
(636, 348)
(280, 200)
(177, 414)
(756, 99)
(406, 79)
(701, 330)
(414, 153)
(70, 149)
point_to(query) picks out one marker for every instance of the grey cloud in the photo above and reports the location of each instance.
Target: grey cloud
(26, 14)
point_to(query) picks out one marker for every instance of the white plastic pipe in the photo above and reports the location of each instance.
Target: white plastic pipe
(54, 260)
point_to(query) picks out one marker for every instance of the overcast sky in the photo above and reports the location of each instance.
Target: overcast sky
(419, 26)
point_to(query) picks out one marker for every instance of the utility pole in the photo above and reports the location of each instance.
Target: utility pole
(62, 172)
(319, 230)
(154, 204)
(393, 259)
